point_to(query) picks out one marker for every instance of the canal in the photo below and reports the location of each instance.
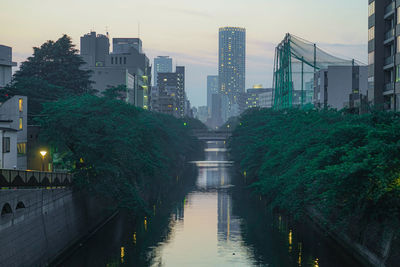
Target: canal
(212, 223)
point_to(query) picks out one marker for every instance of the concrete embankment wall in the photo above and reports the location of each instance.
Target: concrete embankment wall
(37, 224)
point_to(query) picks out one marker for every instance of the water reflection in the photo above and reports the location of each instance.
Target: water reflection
(214, 224)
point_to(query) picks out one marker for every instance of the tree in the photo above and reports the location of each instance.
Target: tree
(54, 71)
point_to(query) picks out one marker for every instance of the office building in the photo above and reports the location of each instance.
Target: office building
(266, 99)
(212, 88)
(232, 64)
(126, 66)
(175, 80)
(94, 49)
(202, 114)
(6, 65)
(251, 99)
(123, 45)
(338, 87)
(161, 64)
(384, 54)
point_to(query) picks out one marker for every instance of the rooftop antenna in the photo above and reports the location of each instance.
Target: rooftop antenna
(107, 32)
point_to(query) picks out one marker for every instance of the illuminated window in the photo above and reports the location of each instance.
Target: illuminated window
(371, 58)
(20, 123)
(371, 9)
(20, 104)
(371, 33)
(397, 73)
(21, 148)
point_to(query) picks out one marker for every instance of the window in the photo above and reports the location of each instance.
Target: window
(397, 73)
(112, 60)
(398, 15)
(20, 104)
(120, 60)
(20, 123)
(398, 44)
(371, 33)
(371, 9)
(371, 58)
(6, 144)
(125, 60)
(21, 148)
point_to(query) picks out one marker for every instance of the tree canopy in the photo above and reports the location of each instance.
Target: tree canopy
(119, 151)
(343, 165)
(54, 71)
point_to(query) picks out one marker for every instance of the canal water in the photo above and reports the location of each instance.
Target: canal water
(213, 223)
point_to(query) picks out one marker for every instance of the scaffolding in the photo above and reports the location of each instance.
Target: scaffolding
(296, 62)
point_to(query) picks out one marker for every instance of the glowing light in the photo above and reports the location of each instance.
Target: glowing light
(145, 223)
(134, 238)
(316, 262)
(290, 237)
(43, 153)
(122, 254)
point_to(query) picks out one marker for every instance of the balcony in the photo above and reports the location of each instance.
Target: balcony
(388, 63)
(389, 36)
(389, 10)
(388, 87)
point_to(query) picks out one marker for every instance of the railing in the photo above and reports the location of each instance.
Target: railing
(388, 87)
(389, 8)
(15, 178)
(212, 135)
(389, 34)
(389, 60)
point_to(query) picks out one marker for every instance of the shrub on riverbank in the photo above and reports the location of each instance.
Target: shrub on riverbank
(346, 166)
(114, 149)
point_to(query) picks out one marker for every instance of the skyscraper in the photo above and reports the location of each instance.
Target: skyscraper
(212, 88)
(232, 63)
(383, 54)
(162, 64)
(174, 82)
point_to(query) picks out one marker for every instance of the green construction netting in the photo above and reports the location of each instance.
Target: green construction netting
(296, 61)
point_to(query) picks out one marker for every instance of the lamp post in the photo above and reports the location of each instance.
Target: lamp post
(43, 153)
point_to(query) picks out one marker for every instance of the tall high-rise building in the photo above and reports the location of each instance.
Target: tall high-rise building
(384, 54)
(232, 63)
(162, 64)
(212, 88)
(174, 81)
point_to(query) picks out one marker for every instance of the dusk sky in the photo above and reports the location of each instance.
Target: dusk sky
(187, 30)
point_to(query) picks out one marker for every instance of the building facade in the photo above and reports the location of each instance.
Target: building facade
(232, 64)
(126, 66)
(175, 80)
(384, 54)
(14, 128)
(161, 64)
(6, 65)
(212, 88)
(340, 87)
(266, 99)
(251, 99)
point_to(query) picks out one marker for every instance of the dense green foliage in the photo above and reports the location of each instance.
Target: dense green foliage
(346, 166)
(51, 73)
(117, 150)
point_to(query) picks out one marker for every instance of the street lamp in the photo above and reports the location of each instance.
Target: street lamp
(43, 153)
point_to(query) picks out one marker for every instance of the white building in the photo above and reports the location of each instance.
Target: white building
(6, 65)
(13, 130)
